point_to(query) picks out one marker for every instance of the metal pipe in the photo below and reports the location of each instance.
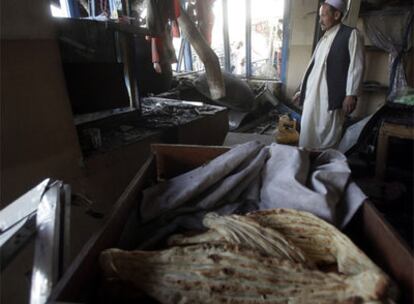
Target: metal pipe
(248, 39)
(226, 39)
(285, 42)
(180, 56)
(188, 56)
(92, 8)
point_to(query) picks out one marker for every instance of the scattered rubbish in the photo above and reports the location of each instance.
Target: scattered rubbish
(125, 128)
(236, 118)
(239, 96)
(265, 128)
(157, 114)
(79, 199)
(265, 96)
(92, 136)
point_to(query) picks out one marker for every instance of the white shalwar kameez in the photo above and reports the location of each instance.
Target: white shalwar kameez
(322, 128)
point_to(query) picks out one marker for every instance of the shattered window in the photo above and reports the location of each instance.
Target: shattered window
(237, 36)
(267, 30)
(59, 9)
(208, 17)
(266, 38)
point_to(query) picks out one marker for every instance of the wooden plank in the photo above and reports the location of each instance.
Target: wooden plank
(389, 250)
(173, 160)
(82, 275)
(400, 131)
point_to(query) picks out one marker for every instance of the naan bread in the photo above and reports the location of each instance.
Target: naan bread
(264, 257)
(226, 273)
(245, 232)
(320, 241)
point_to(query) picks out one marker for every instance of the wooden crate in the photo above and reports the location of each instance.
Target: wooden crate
(368, 229)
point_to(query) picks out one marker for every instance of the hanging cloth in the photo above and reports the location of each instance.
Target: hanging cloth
(390, 30)
(162, 16)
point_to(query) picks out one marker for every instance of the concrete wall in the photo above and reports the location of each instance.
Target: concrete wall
(26, 19)
(302, 25)
(38, 136)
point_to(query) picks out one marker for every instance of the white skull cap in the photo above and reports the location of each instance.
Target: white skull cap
(338, 4)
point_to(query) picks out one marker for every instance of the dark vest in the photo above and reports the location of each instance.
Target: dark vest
(337, 66)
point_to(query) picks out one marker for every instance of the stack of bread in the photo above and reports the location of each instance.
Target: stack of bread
(273, 256)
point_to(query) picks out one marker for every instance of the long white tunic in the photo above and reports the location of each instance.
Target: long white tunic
(322, 128)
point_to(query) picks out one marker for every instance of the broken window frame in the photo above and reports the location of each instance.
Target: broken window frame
(187, 55)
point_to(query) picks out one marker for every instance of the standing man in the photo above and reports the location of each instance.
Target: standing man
(332, 80)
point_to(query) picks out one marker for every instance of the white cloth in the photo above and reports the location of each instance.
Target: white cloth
(322, 128)
(221, 180)
(293, 178)
(290, 178)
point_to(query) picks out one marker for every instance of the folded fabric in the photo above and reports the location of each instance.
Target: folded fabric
(204, 185)
(293, 178)
(252, 177)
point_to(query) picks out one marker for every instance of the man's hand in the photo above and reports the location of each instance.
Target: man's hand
(296, 99)
(349, 104)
